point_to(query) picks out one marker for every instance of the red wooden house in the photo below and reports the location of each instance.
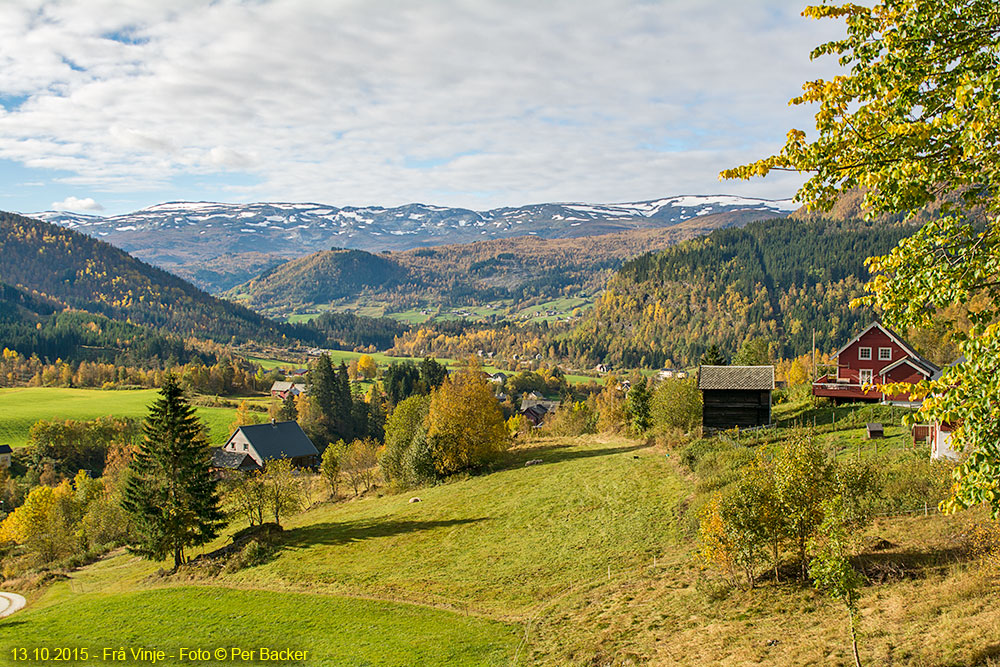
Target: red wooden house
(876, 356)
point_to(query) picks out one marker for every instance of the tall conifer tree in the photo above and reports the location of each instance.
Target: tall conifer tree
(171, 493)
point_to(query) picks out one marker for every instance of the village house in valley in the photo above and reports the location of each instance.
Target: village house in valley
(877, 355)
(262, 443)
(283, 389)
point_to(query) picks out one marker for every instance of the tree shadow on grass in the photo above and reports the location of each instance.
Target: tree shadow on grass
(559, 453)
(346, 532)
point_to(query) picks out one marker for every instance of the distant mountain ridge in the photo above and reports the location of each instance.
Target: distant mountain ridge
(513, 273)
(218, 246)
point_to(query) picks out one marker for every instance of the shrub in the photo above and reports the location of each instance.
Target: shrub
(404, 433)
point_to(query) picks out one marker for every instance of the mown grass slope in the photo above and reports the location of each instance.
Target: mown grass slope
(334, 631)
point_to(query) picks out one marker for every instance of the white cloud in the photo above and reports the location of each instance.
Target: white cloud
(495, 102)
(75, 204)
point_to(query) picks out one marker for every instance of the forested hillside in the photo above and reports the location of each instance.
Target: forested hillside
(74, 270)
(777, 279)
(33, 325)
(512, 272)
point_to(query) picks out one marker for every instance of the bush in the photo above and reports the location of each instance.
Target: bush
(571, 421)
(255, 552)
(676, 405)
(405, 443)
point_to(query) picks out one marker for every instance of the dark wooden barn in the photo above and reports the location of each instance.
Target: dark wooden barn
(735, 396)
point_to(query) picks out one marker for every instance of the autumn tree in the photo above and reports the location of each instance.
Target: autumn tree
(465, 426)
(406, 459)
(246, 495)
(367, 368)
(359, 462)
(611, 406)
(331, 464)
(244, 417)
(283, 491)
(170, 493)
(913, 124)
(753, 352)
(676, 404)
(802, 482)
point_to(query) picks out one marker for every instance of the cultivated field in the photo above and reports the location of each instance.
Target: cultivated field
(20, 408)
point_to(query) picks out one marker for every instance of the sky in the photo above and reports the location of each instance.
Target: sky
(108, 106)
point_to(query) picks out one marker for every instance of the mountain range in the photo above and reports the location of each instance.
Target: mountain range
(217, 246)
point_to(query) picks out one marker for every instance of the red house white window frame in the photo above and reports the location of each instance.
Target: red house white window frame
(865, 353)
(885, 354)
(865, 376)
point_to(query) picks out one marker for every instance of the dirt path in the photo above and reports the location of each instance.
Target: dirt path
(10, 603)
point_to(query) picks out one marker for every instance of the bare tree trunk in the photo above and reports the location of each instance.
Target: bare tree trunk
(775, 547)
(854, 641)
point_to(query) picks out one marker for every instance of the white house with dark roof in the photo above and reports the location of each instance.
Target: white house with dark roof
(273, 441)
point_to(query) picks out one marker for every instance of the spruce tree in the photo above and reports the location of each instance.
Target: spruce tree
(637, 406)
(343, 416)
(171, 493)
(713, 357)
(288, 412)
(322, 381)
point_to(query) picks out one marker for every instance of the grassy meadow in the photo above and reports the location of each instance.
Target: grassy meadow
(20, 408)
(584, 559)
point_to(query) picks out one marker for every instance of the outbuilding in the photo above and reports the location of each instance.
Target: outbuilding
(735, 396)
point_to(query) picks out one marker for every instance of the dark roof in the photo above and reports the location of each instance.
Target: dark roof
(5, 449)
(752, 378)
(232, 460)
(281, 440)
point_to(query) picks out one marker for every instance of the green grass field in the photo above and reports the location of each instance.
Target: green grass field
(334, 631)
(582, 560)
(20, 408)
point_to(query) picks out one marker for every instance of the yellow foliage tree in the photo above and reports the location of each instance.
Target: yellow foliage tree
(465, 426)
(31, 518)
(244, 417)
(367, 367)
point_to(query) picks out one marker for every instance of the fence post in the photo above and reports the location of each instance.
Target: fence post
(925, 508)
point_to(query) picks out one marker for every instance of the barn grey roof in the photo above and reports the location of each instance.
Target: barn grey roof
(752, 378)
(278, 440)
(232, 460)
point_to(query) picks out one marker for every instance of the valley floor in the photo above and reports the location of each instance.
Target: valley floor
(549, 564)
